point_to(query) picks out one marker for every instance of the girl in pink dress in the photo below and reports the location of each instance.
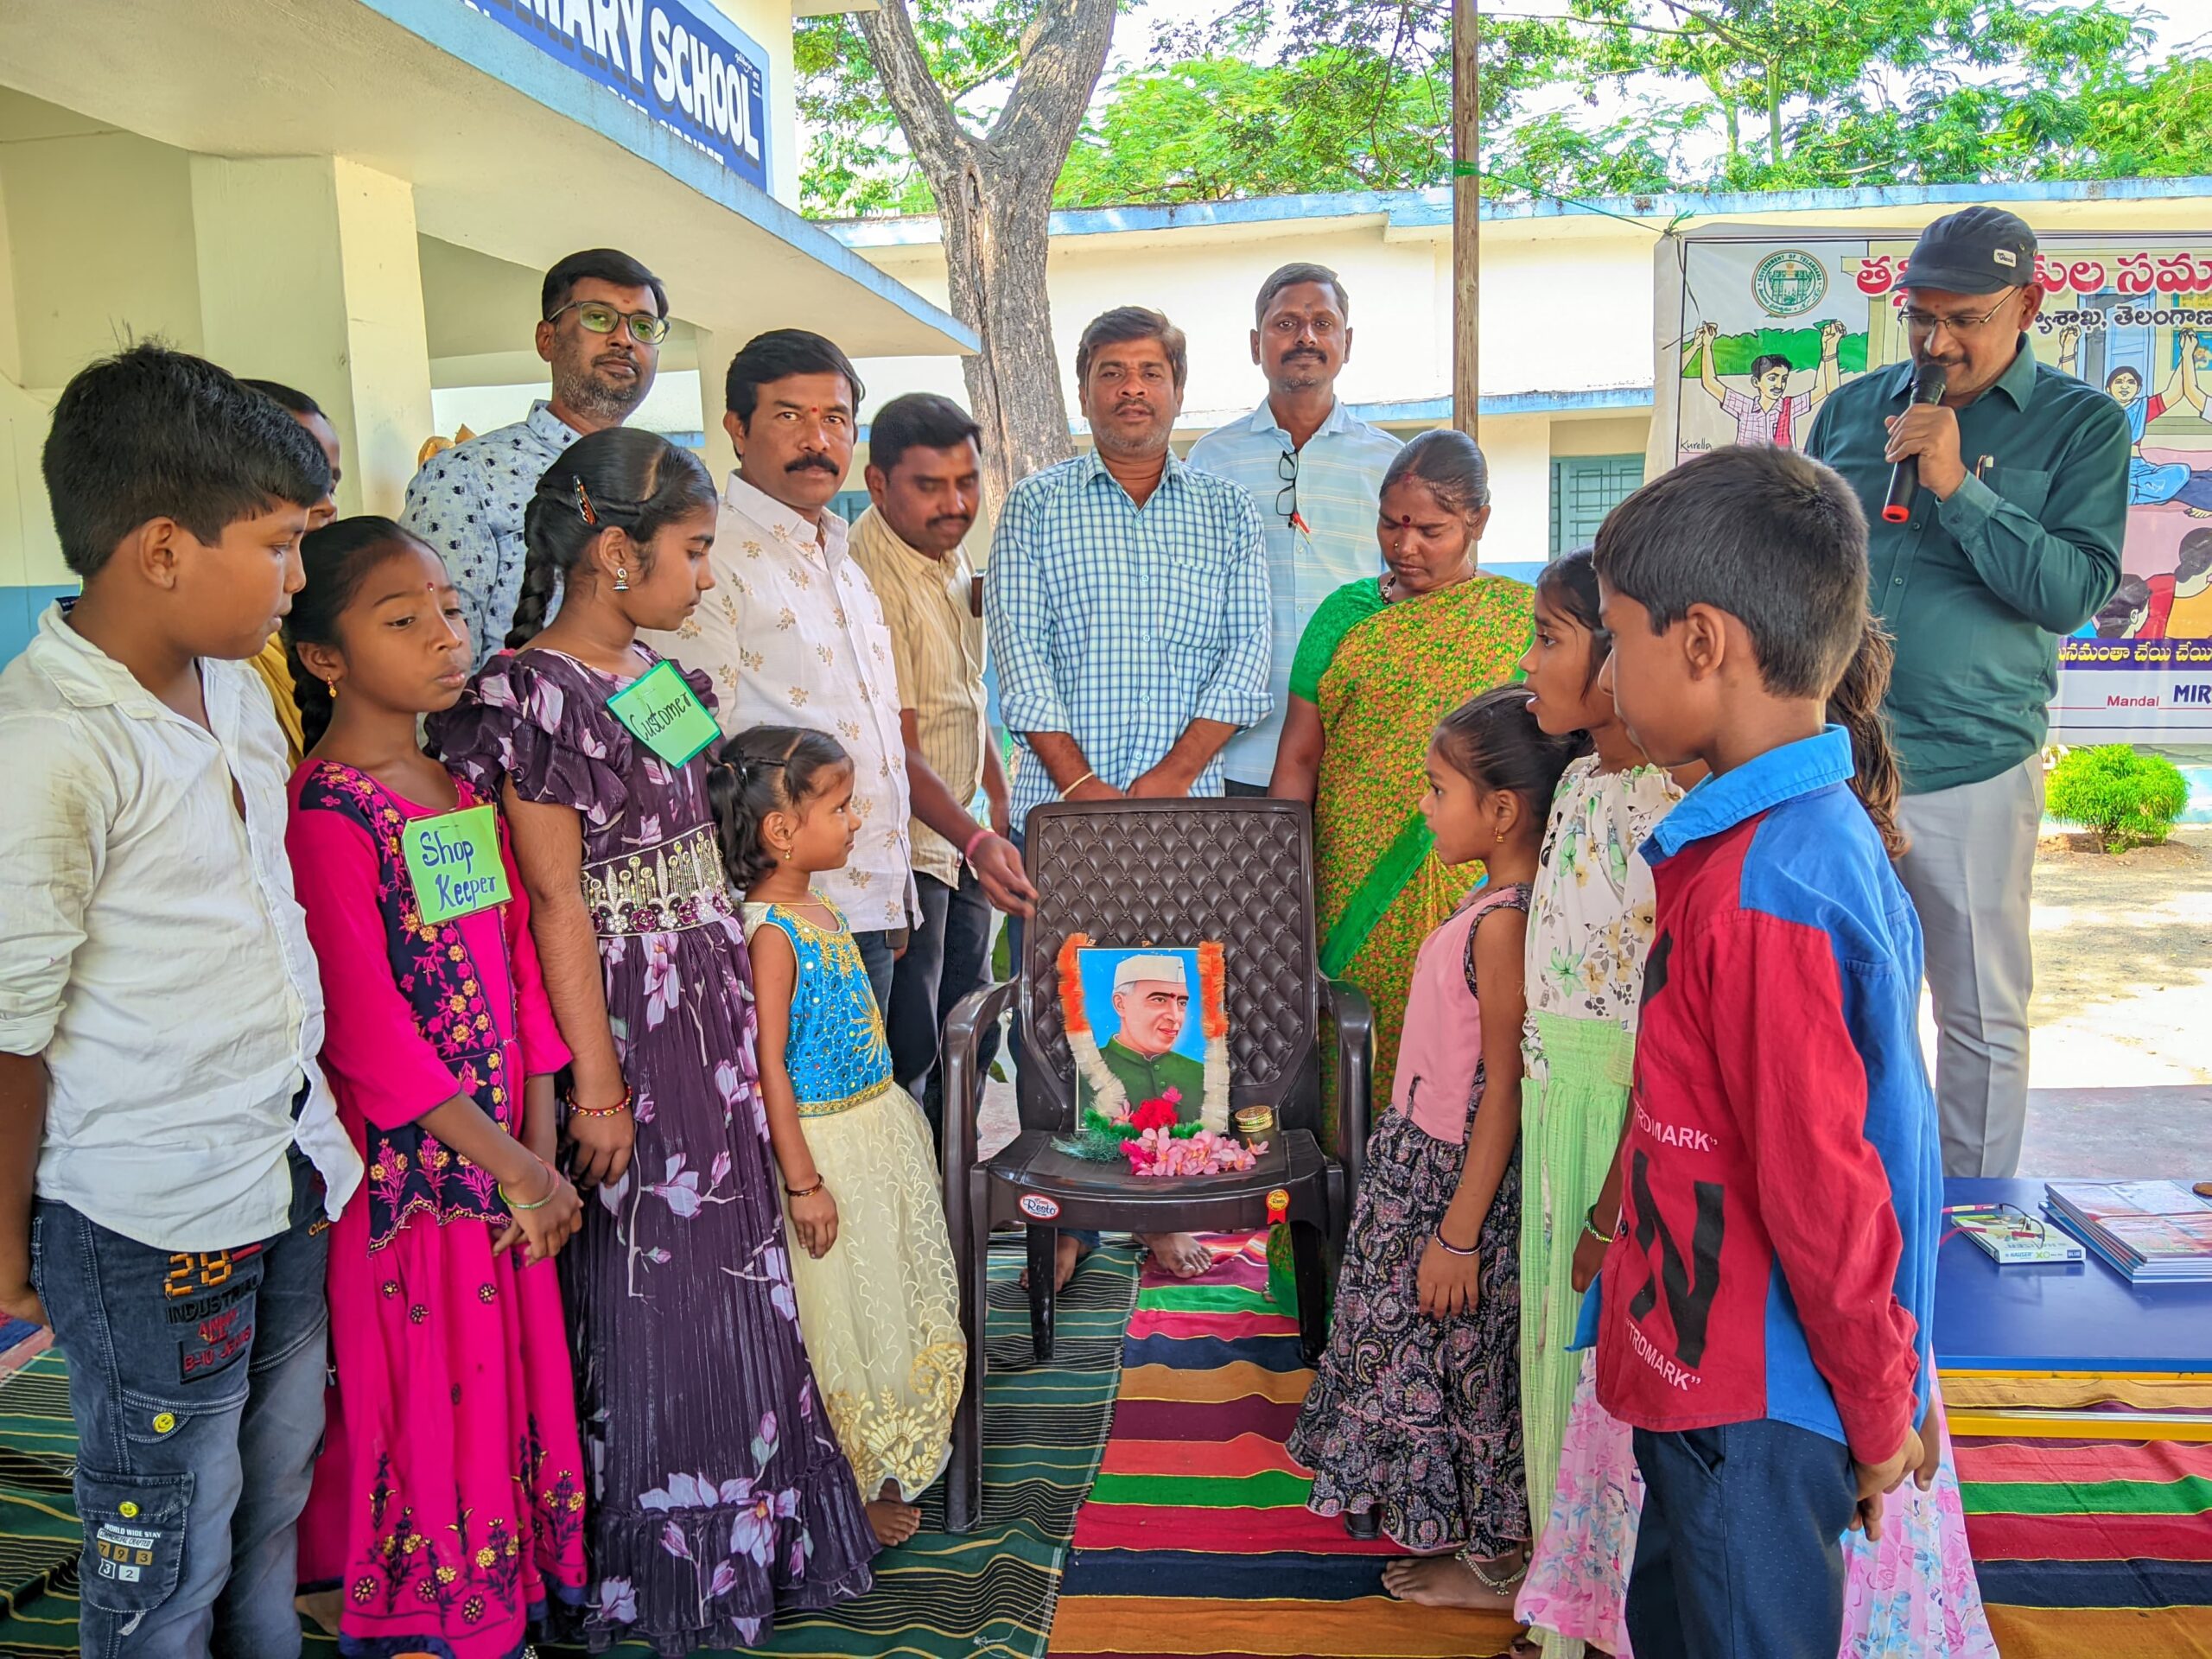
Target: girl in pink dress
(448, 1505)
(1412, 1426)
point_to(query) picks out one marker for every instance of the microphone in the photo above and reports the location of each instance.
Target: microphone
(1904, 477)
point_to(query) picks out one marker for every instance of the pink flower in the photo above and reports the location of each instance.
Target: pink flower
(673, 1541)
(663, 983)
(725, 1581)
(618, 1601)
(680, 1189)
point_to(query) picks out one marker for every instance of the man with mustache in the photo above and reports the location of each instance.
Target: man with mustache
(792, 632)
(601, 319)
(924, 478)
(1128, 611)
(1315, 472)
(2013, 538)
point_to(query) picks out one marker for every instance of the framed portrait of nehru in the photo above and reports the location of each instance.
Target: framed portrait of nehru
(1144, 1024)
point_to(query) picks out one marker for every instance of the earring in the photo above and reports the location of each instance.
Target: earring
(621, 578)
(331, 686)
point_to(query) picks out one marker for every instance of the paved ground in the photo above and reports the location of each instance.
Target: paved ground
(2122, 1059)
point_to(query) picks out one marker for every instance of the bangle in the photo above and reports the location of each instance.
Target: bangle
(805, 1192)
(1450, 1248)
(1086, 777)
(540, 1204)
(967, 853)
(1590, 1226)
(615, 1110)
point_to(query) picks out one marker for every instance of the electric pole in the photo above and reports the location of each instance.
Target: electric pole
(1467, 217)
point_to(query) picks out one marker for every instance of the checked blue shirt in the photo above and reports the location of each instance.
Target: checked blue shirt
(1120, 625)
(1338, 488)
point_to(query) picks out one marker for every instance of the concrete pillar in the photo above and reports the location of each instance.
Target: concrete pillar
(715, 354)
(309, 275)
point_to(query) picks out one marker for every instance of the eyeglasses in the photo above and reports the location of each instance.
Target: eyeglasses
(1287, 469)
(1927, 322)
(600, 319)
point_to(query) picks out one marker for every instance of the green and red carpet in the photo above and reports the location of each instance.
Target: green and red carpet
(1197, 1540)
(989, 1593)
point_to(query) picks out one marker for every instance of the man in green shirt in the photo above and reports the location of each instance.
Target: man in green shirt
(2013, 541)
(1152, 998)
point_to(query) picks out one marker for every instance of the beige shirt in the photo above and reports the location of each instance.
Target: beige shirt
(792, 635)
(152, 952)
(937, 645)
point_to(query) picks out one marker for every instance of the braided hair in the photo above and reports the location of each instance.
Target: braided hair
(619, 478)
(762, 770)
(1855, 704)
(338, 559)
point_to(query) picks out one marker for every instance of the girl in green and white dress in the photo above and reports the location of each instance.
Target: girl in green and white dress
(1589, 923)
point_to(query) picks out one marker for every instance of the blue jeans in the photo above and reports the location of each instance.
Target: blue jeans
(1739, 1553)
(878, 958)
(196, 1380)
(1015, 1051)
(948, 956)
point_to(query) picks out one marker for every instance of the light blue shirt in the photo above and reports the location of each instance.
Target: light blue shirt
(1339, 482)
(468, 503)
(1120, 625)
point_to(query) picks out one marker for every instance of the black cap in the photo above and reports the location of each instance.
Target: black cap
(1974, 251)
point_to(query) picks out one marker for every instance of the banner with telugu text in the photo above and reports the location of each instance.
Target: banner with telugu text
(1755, 327)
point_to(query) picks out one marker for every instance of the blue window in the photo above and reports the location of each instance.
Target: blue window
(1584, 488)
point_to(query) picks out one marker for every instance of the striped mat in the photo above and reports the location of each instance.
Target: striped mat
(2090, 1547)
(989, 1595)
(1197, 1539)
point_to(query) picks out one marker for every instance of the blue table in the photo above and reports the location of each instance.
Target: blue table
(2063, 1317)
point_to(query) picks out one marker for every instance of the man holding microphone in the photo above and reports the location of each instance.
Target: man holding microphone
(2003, 536)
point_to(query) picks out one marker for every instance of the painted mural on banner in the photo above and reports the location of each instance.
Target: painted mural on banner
(689, 67)
(1755, 329)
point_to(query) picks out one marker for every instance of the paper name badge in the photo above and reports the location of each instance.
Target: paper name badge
(453, 861)
(661, 712)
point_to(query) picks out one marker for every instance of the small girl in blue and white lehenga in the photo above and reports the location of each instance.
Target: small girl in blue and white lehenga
(879, 1299)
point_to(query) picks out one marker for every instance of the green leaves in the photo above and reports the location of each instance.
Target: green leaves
(1599, 96)
(2127, 799)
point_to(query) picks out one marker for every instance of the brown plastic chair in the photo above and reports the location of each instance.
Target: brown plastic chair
(1169, 874)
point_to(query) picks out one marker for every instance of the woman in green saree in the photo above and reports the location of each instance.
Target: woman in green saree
(1381, 663)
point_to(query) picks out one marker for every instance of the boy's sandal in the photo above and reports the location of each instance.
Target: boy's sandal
(1366, 1525)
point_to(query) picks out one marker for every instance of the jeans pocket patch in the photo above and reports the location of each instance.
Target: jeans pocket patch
(134, 1538)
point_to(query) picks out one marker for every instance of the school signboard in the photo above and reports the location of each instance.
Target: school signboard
(1756, 328)
(687, 67)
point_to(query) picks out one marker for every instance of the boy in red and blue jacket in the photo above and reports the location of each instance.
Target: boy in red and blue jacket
(1765, 1316)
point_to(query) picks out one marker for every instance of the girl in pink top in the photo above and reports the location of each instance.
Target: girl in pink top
(447, 1506)
(1412, 1425)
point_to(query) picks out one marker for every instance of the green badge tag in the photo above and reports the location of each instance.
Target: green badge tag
(453, 861)
(662, 714)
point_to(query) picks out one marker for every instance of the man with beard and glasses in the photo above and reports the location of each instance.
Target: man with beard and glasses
(924, 478)
(792, 632)
(602, 317)
(1128, 601)
(1315, 472)
(2012, 543)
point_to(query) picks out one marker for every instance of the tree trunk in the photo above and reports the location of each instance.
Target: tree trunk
(1774, 113)
(995, 200)
(995, 236)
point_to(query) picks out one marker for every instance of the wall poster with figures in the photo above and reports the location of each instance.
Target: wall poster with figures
(1756, 328)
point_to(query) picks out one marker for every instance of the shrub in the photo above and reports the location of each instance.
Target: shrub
(2127, 799)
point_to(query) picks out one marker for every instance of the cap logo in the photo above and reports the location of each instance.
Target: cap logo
(2005, 257)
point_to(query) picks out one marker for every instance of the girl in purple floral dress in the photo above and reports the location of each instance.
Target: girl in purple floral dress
(718, 1491)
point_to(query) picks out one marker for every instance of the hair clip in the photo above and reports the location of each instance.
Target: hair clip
(583, 504)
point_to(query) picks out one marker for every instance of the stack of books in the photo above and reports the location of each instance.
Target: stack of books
(2149, 1232)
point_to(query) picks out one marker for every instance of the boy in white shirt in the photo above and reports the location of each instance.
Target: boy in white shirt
(160, 1013)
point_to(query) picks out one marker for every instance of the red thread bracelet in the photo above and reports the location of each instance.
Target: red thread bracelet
(967, 853)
